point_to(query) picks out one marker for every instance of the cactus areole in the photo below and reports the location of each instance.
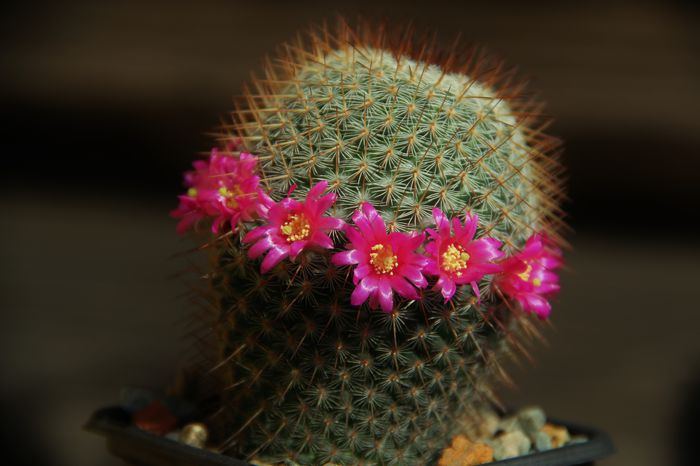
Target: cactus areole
(383, 223)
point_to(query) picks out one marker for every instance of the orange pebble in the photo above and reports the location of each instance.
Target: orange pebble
(464, 452)
(558, 435)
(155, 418)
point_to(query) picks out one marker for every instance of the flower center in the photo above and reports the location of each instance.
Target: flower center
(383, 259)
(455, 259)
(525, 276)
(230, 195)
(296, 228)
(192, 192)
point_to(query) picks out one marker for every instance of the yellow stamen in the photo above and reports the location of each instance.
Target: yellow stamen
(192, 192)
(537, 281)
(230, 195)
(296, 228)
(455, 260)
(383, 259)
(525, 276)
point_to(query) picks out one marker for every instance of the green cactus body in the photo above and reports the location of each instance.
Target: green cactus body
(406, 137)
(307, 377)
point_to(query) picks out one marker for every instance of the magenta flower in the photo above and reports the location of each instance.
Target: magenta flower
(527, 277)
(385, 262)
(292, 226)
(224, 188)
(459, 259)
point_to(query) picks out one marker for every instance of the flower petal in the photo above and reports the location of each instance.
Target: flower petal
(355, 237)
(350, 257)
(296, 247)
(321, 240)
(441, 221)
(187, 221)
(414, 274)
(471, 221)
(317, 190)
(476, 291)
(375, 220)
(264, 244)
(403, 287)
(538, 305)
(386, 296)
(365, 229)
(256, 233)
(331, 223)
(322, 204)
(361, 271)
(448, 288)
(362, 291)
(273, 258)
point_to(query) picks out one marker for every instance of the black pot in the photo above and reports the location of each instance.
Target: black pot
(145, 449)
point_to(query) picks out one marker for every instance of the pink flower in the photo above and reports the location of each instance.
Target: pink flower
(527, 276)
(459, 259)
(385, 262)
(292, 226)
(224, 188)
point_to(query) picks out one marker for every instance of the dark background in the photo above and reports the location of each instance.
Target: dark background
(104, 104)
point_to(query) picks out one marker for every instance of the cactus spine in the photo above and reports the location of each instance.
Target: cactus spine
(303, 375)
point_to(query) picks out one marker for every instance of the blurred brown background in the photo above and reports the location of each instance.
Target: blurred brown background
(104, 103)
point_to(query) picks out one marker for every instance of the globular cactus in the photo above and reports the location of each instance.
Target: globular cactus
(309, 368)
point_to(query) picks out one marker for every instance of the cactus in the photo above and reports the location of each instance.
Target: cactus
(299, 373)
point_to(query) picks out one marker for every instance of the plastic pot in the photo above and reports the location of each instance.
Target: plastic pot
(146, 449)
